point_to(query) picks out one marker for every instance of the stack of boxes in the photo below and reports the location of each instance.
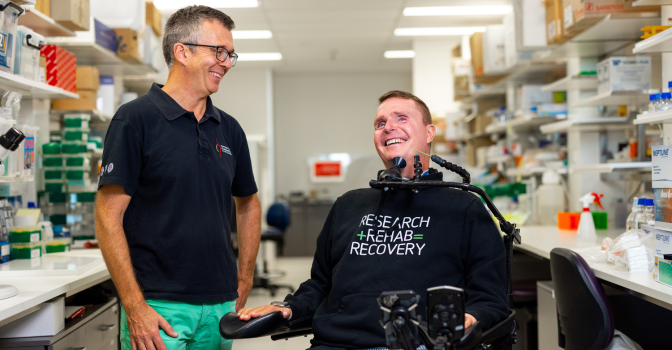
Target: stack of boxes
(61, 68)
(87, 83)
(29, 239)
(74, 146)
(72, 14)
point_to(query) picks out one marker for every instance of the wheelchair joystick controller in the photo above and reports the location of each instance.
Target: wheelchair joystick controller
(394, 172)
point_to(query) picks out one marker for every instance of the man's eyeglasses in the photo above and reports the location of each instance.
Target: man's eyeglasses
(221, 53)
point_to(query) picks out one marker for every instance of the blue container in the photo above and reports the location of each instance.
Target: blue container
(105, 36)
(4, 252)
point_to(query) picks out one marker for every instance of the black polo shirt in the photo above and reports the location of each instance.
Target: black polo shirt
(180, 174)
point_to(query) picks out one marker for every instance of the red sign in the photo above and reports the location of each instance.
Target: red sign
(327, 168)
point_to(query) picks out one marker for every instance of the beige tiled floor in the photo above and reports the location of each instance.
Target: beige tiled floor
(297, 271)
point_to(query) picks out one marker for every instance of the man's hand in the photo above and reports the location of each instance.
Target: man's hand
(249, 313)
(244, 287)
(468, 320)
(143, 327)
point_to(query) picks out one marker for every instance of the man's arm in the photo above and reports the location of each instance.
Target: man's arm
(143, 321)
(248, 217)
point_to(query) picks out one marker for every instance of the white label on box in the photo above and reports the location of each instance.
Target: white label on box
(4, 250)
(569, 16)
(35, 253)
(34, 237)
(551, 30)
(661, 166)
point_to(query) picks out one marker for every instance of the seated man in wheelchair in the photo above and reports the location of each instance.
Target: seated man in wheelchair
(376, 240)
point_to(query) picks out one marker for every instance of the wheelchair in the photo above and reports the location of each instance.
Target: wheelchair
(403, 329)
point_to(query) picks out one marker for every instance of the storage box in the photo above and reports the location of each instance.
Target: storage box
(8, 25)
(662, 270)
(625, 73)
(554, 23)
(43, 7)
(61, 67)
(47, 321)
(106, 95)
(530, 24)
(25, 251)
(28, 48)
(579, 15)
(105, 36)
(88, 78)
(72, 14)
(42, 70)
(476, 45)
(531, 96)
(127, 45)
(663, 208)
(4, 252)
(85, 102)
(153, 18)
(494, 56)
(153, 54)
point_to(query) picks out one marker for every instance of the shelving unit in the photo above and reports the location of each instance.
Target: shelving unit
(518, 124)
(663, 117)
(587, 124)
(661, 42)
(511, 172)
(487, 91)
(92, 54)
(614, 98)
(652, 2)
(578, 82)
(43, 24)
(611, 167)
(613, 33)
(33, 88)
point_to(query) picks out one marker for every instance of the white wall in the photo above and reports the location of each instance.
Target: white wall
(321, 113)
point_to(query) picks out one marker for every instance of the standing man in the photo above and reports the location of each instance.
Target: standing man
(171, 164)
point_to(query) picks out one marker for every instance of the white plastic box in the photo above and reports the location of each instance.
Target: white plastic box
(623, 73)
(46, 321)
(27, 62)
(153, 54)
(494, 56)
(531, 96)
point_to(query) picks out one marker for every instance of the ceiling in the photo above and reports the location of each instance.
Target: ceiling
(340, 35)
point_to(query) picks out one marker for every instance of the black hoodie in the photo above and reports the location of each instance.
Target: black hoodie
(439, 236)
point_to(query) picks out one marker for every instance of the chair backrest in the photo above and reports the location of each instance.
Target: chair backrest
(278, 216)
(584, 315)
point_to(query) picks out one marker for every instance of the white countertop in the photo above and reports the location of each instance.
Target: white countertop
(34, 291)
(540, 240)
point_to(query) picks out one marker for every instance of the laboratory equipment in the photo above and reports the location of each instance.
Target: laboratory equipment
(587, 225)
(631, 222)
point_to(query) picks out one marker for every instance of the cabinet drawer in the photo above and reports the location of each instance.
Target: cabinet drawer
(102, 332)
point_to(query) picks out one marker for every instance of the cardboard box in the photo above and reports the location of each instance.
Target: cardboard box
(624, 73)
(554, 23)
(494, 55)
(476, 45)
(43, 7)
(105, 36)
(73, 14)
(471, 148)
(153, 18)
(127, 45)
(581, 14)
(45, 322)
(461, 87)
(85, 102)
(479, 123)
(88, 78)
(530, 24)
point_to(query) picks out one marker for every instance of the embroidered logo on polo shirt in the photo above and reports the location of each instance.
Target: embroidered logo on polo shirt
(219, 148)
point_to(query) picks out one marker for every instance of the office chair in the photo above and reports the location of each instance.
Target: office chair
(584, 316)
(278, 219)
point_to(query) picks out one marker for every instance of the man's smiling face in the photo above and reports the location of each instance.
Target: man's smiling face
(400, 130)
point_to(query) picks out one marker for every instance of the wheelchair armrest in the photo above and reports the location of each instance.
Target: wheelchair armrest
(500, 330)
(471, 338)
(231, 327)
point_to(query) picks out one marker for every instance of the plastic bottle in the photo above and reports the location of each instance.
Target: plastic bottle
(550, 198)
(586, 230)
(646, 216)
(631, 222)
(665, 103)
(659, 101)
(652, 103)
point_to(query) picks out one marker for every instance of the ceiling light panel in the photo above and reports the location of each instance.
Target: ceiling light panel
(438, 31)
(457, 10)
(220, 4)
(260, 56)
(252, 34)
(399, 54)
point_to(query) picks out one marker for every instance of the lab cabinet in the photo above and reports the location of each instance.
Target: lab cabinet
(547, 316)
(306, 222)
(97, 330)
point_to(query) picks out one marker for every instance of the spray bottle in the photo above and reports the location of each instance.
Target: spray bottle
(586, 224)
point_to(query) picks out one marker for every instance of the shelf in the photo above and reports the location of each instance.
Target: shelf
(518, 124)
(652, 2)
(613, 33)
(539, 170)
(101, 122)
(579, 82)
(43, 24)
(487, 91)
(663, 117)
(473, 136)
(587, 124)
(33, 88)
(92, 54)
(614, 98)
(661, 42)
(611, 167)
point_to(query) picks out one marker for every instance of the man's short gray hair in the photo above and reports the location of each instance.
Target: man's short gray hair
(184, 26)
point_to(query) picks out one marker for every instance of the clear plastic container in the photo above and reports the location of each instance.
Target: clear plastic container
(631, 222)
(659, 102)
(646, 217)
(652, 103)
(666, 101)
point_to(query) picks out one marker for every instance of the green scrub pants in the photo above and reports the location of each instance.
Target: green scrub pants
(197, 325)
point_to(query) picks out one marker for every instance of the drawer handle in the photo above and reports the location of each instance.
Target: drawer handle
(107, 327)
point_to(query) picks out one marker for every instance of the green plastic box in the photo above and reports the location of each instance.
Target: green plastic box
(53, 174)
(77, 174)
(25, 250)
(600, 219)
(51, 148)
(24, 235)
(52, 162)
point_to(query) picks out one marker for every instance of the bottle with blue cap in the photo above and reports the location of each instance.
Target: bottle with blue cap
(652, 103)
(646, 216)
(666, 102)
